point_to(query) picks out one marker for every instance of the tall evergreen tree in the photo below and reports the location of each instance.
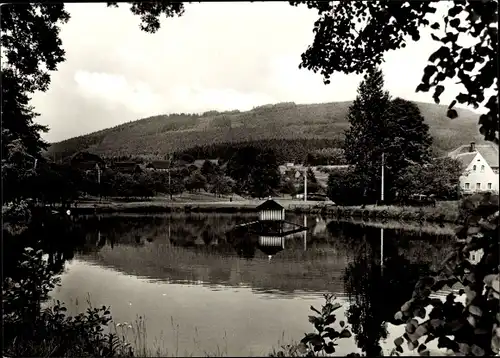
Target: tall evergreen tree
(379, 126)
(365, 138)
(407, 141)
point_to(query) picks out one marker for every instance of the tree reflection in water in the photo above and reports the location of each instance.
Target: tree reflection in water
(376, 295)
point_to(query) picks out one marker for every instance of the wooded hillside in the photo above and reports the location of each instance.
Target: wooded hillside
(282, 123)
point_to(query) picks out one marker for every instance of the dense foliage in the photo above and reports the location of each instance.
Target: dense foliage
(474, 325)
(439, 178)
(255, 171)
(381, 127)
(353, 36)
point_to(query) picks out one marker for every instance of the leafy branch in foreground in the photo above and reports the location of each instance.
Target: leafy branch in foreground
(325, 339)
(475, 326)
(353, 36)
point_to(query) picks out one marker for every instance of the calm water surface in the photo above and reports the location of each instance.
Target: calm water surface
(199, 293)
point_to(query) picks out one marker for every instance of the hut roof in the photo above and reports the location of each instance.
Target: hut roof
(270, 205)
(159, 164)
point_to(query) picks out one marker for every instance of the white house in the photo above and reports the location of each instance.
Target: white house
(480, 168)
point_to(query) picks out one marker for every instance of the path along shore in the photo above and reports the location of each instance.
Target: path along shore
(443, 212)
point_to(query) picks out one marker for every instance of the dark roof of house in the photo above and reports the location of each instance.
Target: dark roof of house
(159, 164)
(270, 205)
(489, 152)
(125, 165)
(466, 158)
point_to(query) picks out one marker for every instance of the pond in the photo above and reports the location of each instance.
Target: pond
(194, 292)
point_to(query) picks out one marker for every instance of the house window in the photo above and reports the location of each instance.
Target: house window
(474, 168)
(467, 185)
(478, 185)
(482, 168)
(489, 186)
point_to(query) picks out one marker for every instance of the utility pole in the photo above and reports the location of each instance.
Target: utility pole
(305, 232)
(169, 179)
(382, 181)
(305, 184)
(98, 179)
(382, 251)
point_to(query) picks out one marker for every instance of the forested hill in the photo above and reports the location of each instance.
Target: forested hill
(279, 123)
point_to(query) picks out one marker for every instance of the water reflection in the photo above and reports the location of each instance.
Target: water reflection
(377, 288)
(185, 255)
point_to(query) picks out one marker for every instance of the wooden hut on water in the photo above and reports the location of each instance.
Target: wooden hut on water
(271, 210)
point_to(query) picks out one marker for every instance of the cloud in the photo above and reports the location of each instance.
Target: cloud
(216, 56)
(114, 89)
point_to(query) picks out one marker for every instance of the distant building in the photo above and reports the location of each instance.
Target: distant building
(271, 210)
(127, 167)
(199, 162)
(87, 162)
(159, 165)
(480, 164)
(476, 256)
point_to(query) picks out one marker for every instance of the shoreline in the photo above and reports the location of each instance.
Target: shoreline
(444, 212)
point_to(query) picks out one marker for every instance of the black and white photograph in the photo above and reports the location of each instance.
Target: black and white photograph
(250, 179)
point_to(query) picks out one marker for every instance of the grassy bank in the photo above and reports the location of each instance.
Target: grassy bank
(441, 213)
(445, 211)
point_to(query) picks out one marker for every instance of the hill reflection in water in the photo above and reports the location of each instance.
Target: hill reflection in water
(196, 249)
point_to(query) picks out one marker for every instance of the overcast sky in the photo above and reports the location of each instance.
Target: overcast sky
(216, 56)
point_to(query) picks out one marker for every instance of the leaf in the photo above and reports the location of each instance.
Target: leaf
(398, 341)
(422, 88)
(435, 323)
(406, 306)
(477, 351)
(420, 312)
(345, 334)
(412, 345)
(435, 38)
(464, 348)
(342, 323)
(399, 349)
(495, 344)
(329, 348)
(454, 23)
(315, 310)
(421, 348)
(452, 104)
(496, 284)
(336, 306)
(455, 325)
(302, 348)
(439, 89)
(330, 319)
(410, 327)
(398, 316)
(451, 113)
(435, 26)
(420, 331)
(475, 310)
